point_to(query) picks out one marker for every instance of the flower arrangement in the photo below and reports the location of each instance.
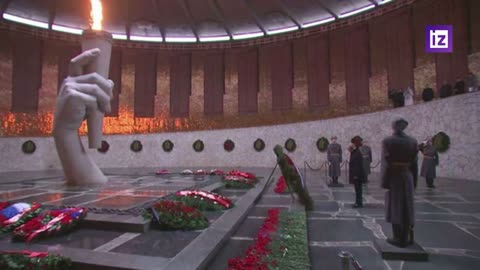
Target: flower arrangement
(29, 147)
(50, 223)
(441, 141)
(238, 179)
(281, 186)
(17, 214)
(322, 144)
(259, 145)
(203, 200)
(20, 260)
(228, 145)
(290, 145)
(167, 146)
(162, 172)
(216, 172)
(281, 243)
(293, 177)
(104, 148)
(256, 256)
(136, 146)
(175, 215)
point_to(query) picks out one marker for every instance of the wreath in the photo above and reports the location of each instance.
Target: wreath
(167, 146)
(198, 146)
(441, 141)
(203, 200)
(322, 144)
(25, 259)
(136, 146)
(259, 145)
(175, 215)
(29, 147)
(228, 145)
(290, 145)
(104, 148)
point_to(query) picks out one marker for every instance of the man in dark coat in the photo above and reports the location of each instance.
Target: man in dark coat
(334, 157)
(356, 170)
(399, 154)
(430, 162)
(367, 159)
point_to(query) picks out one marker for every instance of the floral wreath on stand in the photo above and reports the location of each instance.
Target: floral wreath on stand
(441, 141)
(29, 147)
(136, 146)
(290, 145)
(229, 145)
(167, 146)
(198, 146)
(259, 145)
(322, 144)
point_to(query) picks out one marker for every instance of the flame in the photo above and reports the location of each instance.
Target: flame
(96, 14)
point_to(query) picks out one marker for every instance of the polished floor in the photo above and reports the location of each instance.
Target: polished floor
(447, 225)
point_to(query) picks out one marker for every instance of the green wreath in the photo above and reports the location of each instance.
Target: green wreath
(198, 146)
(29, 147)
(259, 145)
(290, 145)
(322, 144)
(136, 146)
(104, 148)
(167, 146)
(441, 141)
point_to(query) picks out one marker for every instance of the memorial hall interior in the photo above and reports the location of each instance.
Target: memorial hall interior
(239, 134)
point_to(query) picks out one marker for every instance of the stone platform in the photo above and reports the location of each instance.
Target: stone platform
(114, 235)
(411, 253)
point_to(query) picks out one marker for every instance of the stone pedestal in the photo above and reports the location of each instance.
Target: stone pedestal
(410, 253)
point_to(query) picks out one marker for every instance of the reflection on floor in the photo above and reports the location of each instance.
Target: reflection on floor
(448, 225)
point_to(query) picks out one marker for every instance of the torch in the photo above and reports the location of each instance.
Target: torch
(96, 38)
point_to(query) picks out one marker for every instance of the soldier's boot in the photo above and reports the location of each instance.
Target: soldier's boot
(398, 239)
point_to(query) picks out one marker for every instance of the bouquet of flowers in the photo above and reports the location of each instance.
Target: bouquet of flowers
(238, 179)
(50, 223)
(175, 215)
(12, 216)
(281, 186)
(203, 200)
(216, 172)
(20, 260)
(162, 172)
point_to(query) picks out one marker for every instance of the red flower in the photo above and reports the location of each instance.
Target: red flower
(281, 186)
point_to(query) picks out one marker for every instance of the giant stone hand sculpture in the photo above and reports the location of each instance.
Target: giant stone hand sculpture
(79, 94)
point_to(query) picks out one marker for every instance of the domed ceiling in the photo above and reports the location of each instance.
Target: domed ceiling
(188, 20)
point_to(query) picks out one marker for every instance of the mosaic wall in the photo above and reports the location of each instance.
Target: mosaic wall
(457, 116)
(40, 124)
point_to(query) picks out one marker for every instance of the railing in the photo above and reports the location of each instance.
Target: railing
(343, 165)
(346, 258)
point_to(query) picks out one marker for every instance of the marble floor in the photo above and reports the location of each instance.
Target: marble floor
(448, 218)
(447, 225)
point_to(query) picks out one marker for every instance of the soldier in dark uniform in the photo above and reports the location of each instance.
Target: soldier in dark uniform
(367, 159)
(334, 157)
(356, 171)
(430, 162)
(399, 155)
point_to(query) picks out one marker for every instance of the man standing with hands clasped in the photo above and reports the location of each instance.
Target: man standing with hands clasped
(399, 160)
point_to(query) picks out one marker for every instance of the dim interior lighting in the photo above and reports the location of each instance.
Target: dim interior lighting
(17, 19)
(181, 39)
(66, 29)
(248, 35)
(324, 21)
(384, 2)
(356, 11)
(217, 38)
(144, 38)
(282, 30)
(119, 36)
